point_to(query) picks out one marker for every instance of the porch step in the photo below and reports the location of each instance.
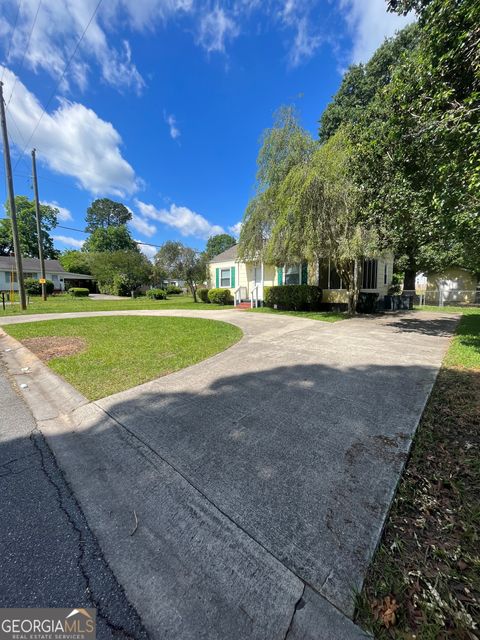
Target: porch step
(243, 305)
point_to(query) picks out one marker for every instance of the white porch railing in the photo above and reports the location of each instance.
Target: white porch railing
(254, 297)
(237, 296)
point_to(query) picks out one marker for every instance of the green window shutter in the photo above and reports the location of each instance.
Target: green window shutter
(280, 275)
(232, 279)
(217, 277)
(305, 273)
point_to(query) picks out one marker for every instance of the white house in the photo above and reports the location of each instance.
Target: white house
(31, 269)
(247, 280)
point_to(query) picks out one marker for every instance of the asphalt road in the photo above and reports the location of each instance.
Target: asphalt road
(49, 557)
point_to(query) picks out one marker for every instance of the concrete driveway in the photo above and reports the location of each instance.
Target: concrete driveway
(243, 497)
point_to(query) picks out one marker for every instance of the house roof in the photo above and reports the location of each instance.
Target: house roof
(33, 264)
(227, 256)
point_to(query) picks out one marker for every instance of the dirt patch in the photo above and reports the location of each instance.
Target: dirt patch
(55, 346)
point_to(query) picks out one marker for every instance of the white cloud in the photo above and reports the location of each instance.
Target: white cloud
(305, 43)
(142, 226)
(64, 214)
(187, 222)
(59, 26)
(235, 229)
(147, 249)
(215, 28)
(69, 241)
(369, 24)
(73, 140)
(172, 125)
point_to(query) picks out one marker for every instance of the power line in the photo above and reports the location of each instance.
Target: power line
(26, 49)
(61, 226)
(19, 4)
(60, 79)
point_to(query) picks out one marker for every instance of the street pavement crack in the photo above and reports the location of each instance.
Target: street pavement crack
(88, 549)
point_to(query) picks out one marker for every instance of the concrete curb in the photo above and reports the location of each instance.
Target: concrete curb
(47, 395)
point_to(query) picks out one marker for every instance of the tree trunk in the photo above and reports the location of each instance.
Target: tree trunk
(353, 291)
(410, 275)
(193, 289)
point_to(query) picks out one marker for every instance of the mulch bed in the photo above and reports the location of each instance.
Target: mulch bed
(54, 346)
(424, 582)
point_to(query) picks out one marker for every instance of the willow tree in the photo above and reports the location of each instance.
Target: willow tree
(307, 207)
(321, 217)
(283, 147)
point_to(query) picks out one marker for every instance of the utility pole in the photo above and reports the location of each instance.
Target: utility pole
(39, 227)
(11, 199)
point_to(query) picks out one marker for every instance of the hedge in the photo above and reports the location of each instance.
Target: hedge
(156, 294)
(78, 292)
(34, 288)
(294, 297)
(203, 295)
(220, 296)
(173, 290)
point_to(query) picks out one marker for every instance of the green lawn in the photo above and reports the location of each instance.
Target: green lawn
(323, 316)
(122, 352)
(427, 567)
(65, 303)
(449, 309)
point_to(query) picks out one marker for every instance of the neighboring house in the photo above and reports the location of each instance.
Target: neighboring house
(454, 285)
(247, 280)
(171, 282)
(31, 269)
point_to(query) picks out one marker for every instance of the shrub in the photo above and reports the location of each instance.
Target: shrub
(156, 294)
(294, 297)
(34, 288)
(78, 292)
(203, 295)
(173, 290)
(367, 302)
(220, 296)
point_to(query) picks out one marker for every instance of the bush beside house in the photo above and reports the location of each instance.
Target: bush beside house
(172, 290)
(34, 288)
(298, 297)
(78, 292)
(203, 295)
(156, 294)
(220, 296)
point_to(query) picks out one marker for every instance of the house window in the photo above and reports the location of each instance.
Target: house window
(385, 273)
(225, 275)
(369, 274)
(30, 275)
(328, 276)
(292, 275)
(54, 277)
(335, 279)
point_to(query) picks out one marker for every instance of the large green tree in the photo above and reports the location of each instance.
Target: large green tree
(103, 213)
(218, 244)
(27, 229)
(362, 82)
(178, 261)
(75, 261)
(111, 238)
(413, 113)
(120, 272)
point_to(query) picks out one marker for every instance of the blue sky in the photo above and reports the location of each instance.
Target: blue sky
(163, 102)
